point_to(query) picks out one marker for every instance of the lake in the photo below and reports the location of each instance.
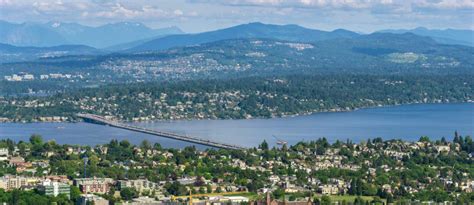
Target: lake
(407, 122)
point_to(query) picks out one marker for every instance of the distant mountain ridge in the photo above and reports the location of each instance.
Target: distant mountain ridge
(445, 36)
(9, 53)
(377, 53)
(59, 33)
(289, 32)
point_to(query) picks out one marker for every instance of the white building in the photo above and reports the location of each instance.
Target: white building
(28, 77)
(52, 188)
(16, 77)
(92, 199)
(4, 154)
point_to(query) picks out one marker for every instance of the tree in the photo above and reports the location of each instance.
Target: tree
(202, 190)
(157, 146)
(36, 139)
(75, 193)
(443, 140)
(325, 200)
(111, 191)
(424, 139)
(145, 145)
(128, 194)
(316, 201)
(264, 145)
(278, 193)
(125, 144)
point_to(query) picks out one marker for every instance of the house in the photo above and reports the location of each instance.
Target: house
(14, 161)
(442, 148)
(20, 163)
(4, 154)
(187, 180)
(58, 178)
(328, 189)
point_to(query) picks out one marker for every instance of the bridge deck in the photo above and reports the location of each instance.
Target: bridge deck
(100, 119)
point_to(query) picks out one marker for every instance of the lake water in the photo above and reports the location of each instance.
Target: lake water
(407, 122)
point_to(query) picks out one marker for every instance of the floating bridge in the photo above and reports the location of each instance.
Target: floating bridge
(97, 119)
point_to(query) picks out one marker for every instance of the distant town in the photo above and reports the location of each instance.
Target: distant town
(26, 76)
(315, 172)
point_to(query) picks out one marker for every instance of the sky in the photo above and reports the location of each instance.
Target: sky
(203, 15)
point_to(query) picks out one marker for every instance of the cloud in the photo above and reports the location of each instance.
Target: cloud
(80, 10)
(447, 4)
(348, 4)
(178, 12)
(202, 15)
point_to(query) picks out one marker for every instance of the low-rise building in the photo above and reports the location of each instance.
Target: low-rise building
(144, 200)
(10, 182)
(329, 189)
(443, 148)
(139, 184)
(94, 185)
(52, 188)
(4, 154)
(92, 199)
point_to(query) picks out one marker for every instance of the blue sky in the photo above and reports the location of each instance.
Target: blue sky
(203, 15)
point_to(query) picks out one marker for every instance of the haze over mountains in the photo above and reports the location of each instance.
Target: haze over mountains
(9, 53)
(137, 38)
(251, 30)
(446, 36)
(58, 33)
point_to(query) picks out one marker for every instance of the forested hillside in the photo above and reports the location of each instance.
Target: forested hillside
(243, 97)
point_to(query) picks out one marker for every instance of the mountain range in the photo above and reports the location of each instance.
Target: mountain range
(377, 53)
(9, 53)
(339, 48)
(252, 30)
(58, 33)
(133, 36)
(446, 36)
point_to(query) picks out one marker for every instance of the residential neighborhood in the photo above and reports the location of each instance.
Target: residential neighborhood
(375, 171)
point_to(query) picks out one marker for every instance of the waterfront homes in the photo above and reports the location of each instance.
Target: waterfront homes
(4, 154)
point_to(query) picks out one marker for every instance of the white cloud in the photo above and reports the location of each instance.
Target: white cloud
(353, 4)
(178, 12)
(446, 4)
(211, 14)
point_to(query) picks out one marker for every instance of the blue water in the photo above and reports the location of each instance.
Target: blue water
(407, 122)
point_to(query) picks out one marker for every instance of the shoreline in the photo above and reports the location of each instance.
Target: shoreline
(68, 120)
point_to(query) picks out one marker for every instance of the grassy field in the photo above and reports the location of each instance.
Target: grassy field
(349, 198)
